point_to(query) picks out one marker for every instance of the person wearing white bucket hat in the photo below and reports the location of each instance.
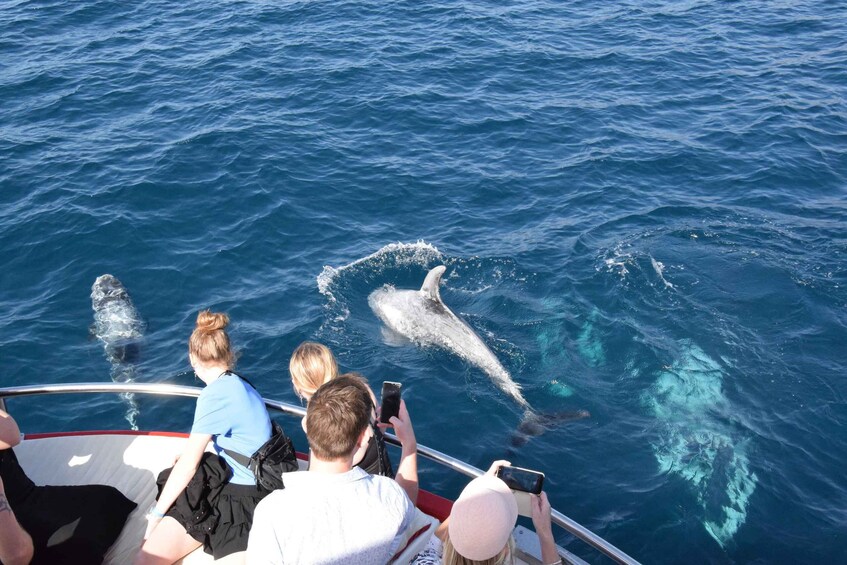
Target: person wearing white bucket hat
(479, 528)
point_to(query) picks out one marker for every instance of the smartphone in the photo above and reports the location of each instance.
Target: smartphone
(390, 401)
(524, 480)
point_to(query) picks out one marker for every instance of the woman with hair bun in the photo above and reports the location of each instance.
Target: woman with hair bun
(232, 415)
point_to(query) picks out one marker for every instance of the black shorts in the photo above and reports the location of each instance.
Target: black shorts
(90, 516)
(235, 505)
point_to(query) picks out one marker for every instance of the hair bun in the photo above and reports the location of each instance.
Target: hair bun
(208, 321)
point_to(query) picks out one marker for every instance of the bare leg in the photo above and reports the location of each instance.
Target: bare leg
(168, 543)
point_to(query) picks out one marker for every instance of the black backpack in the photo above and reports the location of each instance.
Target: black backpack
(269, 462)
(275, 457)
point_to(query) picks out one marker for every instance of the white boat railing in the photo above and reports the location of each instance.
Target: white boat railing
(559, 519)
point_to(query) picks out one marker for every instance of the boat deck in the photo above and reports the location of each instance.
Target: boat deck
(131, 461)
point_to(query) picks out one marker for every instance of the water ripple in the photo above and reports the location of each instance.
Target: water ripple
(603, 181)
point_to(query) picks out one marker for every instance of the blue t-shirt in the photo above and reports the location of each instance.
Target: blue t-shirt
(235, 415)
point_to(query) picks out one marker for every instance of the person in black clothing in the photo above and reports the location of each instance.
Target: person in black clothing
(313, 364)
(15, 543)
(62, 524)
(208, 499)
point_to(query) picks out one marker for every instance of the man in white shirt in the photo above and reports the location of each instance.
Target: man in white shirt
(337, 513)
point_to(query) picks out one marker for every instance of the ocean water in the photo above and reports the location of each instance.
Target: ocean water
(641, 205)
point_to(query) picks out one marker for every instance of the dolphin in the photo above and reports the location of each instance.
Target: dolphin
(422, 317)
(118, 326)
(696, 444)
(116, 321)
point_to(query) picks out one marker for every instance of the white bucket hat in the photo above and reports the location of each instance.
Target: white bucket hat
(482, 518)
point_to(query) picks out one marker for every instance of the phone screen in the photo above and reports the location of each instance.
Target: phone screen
(390, 401)
(524, 480)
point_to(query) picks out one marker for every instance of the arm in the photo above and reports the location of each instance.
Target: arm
(10, 435)
(407, 471)
(182, 472)
(542, 521)
(441, 530)
(15, 544)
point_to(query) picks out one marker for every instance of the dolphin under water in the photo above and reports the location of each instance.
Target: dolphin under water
(422, 317)
(699, 447)
(118, 326)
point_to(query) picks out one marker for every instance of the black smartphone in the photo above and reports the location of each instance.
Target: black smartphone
(517, 478)
(390, 401)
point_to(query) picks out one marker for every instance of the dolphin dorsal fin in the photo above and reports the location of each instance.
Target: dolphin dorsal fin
(430, 284)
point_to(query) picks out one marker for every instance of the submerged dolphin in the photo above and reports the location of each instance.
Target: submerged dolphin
(116, 321)
(696, 444)
(118, 326)
(422, 317)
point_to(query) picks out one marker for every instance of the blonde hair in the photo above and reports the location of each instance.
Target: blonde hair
(209, 343)
(312, 364)
(450, 556)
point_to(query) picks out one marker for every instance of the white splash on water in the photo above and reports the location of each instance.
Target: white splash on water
(419, 253)
(659, 268)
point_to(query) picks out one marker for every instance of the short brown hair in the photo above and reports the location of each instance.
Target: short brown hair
(337, 415)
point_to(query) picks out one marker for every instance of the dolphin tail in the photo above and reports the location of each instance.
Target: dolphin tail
(533, 423)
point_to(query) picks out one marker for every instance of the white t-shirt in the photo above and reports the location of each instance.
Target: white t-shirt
(324, 519)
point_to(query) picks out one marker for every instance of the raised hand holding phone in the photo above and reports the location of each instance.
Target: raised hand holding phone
(393, 406)
(524, 483)
(390, 401)
(407, 471)
(518, 478)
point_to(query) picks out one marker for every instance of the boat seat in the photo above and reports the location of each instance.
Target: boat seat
(94, 459)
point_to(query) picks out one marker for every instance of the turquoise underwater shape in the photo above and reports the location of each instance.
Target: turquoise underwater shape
(551, 346)
(589, 344)
(698, 447)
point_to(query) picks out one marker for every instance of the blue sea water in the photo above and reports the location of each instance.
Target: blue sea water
(642, 206)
